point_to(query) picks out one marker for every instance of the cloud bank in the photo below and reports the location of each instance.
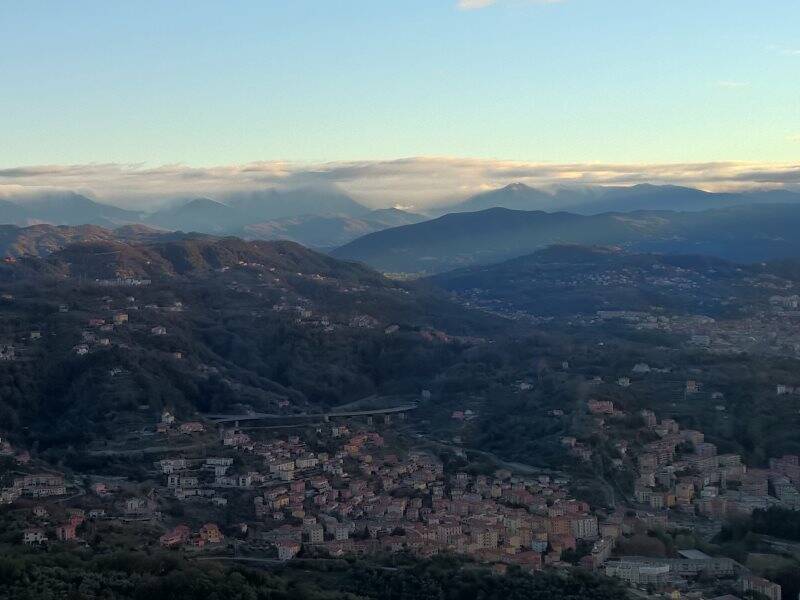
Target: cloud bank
(420, 182)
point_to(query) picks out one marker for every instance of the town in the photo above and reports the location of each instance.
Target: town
(340, 489)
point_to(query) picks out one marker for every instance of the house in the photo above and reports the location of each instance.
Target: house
(287, 549)
(120, 318)
(159, 330)
(139, 506)
(7, 352)
(211, 534)
(66, 532)
(601, 407)
(191, 427)
(176, 537)
(34, 536)
(761, 586)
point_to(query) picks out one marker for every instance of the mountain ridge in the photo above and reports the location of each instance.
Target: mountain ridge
(741, 233)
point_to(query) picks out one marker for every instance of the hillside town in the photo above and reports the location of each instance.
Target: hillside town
(339, 489)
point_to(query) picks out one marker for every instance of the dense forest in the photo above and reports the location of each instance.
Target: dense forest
(136, 576)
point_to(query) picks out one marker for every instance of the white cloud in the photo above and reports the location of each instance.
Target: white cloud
(478, 4)
(422, 182)
(474, 4)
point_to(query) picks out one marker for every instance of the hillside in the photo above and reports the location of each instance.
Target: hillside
(327, 231)
(579, 280)
(267, 326)
(741, 233)
(42, 240)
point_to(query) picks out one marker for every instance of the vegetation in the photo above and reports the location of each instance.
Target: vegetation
(136, 576)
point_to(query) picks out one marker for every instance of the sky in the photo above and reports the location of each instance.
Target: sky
(642, 87)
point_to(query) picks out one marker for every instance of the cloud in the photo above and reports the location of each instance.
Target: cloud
(478, 4)
(422, 182)
(794, 138)
(474, 4)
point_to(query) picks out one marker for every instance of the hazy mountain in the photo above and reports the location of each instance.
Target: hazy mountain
(201, 214)
(63, 208)
(318, 218)
(597, 200)
(10, 212)
(394, 217)
(321, 231)
(516, 196)
(268, 205)
(742, 233)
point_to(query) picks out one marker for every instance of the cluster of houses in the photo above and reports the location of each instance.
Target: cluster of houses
(182, 536)
(168, 424)
(363, 498)
(681, 471)
(41, 485)
(675, 573)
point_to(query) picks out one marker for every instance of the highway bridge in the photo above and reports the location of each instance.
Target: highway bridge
(326, 416)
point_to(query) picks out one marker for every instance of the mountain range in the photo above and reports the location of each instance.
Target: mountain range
(488, 227)
(746, 233)
(315, 218)
(592, 200)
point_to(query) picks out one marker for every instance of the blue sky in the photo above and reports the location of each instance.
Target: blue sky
(221, 83)
(577, 80)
